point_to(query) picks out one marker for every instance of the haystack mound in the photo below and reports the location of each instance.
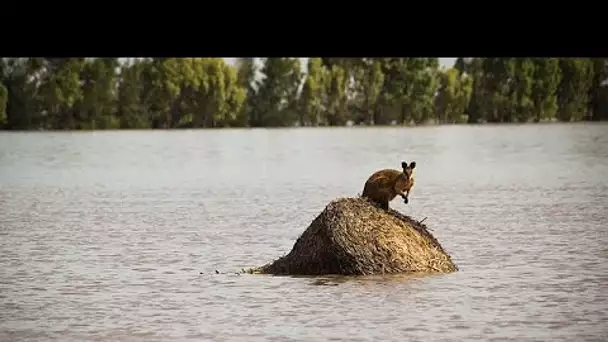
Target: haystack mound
(352, 236)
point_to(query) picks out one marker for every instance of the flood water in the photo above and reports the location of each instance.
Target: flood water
(116, 236)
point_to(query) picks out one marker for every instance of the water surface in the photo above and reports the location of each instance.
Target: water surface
(104, 235)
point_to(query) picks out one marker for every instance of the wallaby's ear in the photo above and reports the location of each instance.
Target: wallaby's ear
(412, 165)
(404, 165)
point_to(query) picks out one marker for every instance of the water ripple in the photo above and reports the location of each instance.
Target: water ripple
(117, 236)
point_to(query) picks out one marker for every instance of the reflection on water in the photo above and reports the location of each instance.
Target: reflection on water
(117, 235)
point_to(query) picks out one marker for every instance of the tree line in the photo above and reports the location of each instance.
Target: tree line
(102, 93)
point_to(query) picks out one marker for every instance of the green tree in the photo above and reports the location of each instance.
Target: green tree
(411, 84)
(131, 112)
(573, 90)
(311, 105)
(204, 92)
(60, 91)
(474, 68)
(369, 81)
(422, 101)
(461, 65)
(277, 94)
(97, 107)
(453, 95)
(521, 90)
(335, 96)
(247, 71)
(547, 77)
(234, 97)
(21, 77)
(89, 93)
(498, 104)
(156, 98)
(395, 89)
(598, 94)
(3, 101)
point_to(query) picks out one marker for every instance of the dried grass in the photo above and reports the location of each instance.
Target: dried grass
(352, 236)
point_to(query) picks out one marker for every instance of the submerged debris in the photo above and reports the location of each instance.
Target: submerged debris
(352, 236)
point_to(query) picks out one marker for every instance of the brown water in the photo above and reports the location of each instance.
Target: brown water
(104, 235)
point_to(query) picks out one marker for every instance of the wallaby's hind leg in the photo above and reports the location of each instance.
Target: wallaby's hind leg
(379, 203)
(384, 205)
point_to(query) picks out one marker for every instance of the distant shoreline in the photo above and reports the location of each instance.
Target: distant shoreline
(499, 124)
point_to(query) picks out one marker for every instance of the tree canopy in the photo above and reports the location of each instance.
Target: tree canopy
(101, 93)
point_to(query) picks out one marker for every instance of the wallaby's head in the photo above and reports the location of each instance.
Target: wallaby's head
(408, 170)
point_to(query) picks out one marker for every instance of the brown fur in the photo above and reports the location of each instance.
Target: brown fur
(384, 185)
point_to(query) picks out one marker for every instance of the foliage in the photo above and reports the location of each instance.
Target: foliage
(102, 93)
